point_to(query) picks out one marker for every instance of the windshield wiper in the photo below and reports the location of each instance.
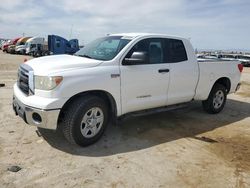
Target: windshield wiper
(84, 56)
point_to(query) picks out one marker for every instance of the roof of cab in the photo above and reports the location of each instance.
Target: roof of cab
(135, 35)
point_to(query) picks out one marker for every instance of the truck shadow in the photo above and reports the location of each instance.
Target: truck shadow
(143, 132)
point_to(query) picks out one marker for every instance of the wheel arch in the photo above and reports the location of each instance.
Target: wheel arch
(108, 98)
(225, 81)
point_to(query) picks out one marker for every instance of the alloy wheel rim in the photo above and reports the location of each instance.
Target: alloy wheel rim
(92, 122)
(218, 99)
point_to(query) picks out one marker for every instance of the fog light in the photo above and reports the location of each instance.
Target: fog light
(37, 118)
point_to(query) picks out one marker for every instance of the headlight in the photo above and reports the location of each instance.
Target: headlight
(47, 82)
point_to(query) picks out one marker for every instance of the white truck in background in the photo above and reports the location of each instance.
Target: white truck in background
(117, 75)
(33, 44)
(20, 45)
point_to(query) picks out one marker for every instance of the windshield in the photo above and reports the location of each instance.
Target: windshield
(105, 48)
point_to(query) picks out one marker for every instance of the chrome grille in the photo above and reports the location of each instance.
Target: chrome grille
(23, 78)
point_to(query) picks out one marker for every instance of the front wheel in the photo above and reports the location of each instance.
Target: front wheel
(85, 120)
(216, 99)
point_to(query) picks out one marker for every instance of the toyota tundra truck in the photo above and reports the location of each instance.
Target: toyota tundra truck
(115, 76)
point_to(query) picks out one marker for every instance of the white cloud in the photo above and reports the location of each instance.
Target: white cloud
(10, 4)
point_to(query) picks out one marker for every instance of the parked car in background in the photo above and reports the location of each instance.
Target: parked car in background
(207, 57)
(228, 57)
(11, 46)
(20, 45)
(11, 49)
(5, 45)
(244, 59)
(2, 42)
(115, 76)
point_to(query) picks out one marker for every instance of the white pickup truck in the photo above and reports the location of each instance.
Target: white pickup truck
(116, 75)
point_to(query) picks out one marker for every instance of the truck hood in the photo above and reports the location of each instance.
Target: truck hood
(57, 63)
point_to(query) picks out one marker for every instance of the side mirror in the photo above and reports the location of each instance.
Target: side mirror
(136, 58)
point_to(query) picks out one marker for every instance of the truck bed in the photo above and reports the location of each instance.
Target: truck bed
(211, 71)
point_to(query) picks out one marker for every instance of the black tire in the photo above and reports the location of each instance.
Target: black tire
(211, 106)
(73, 116)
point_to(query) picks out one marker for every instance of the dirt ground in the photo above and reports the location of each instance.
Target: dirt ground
(181, 148)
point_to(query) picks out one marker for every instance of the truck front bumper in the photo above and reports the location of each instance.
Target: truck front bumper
(46, 119)
(36, 110)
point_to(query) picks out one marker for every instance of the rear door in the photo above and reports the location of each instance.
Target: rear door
(184, 71)
(145, 85)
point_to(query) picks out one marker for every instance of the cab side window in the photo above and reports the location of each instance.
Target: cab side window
(155, 52)
(152, 47)
(141, 46)
(32, 45)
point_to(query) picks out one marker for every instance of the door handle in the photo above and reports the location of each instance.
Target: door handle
(163, 70)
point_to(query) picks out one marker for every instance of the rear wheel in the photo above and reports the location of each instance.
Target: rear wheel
(216, 99)
(85, 120)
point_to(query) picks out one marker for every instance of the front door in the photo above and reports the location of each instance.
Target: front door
(145, 85)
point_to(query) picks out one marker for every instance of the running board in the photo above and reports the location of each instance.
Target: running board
(153, 111)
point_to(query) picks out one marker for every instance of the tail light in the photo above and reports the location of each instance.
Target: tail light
(240, 67)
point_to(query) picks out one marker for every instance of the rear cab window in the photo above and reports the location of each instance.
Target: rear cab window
(175, 51)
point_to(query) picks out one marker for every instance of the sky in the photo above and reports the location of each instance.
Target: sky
(210, 24)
